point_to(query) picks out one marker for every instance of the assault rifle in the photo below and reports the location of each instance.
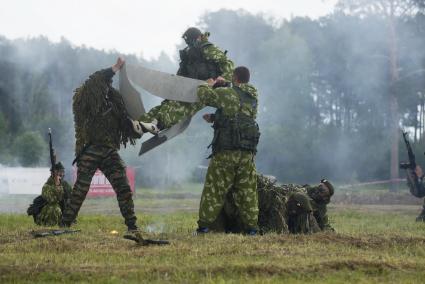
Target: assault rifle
(46, 233)
(52, 152)
(412, 162)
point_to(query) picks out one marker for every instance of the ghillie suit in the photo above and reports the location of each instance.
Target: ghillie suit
(287, 208)
(101, 126)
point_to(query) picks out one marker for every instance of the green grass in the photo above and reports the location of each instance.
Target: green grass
(374, 244)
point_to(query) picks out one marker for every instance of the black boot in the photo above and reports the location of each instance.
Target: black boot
(421, 217)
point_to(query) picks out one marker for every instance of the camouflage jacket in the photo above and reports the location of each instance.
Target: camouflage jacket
(228, 100)
(53, 194)
(206, 54)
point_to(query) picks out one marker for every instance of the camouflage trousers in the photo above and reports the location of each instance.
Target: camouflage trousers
(170, 112)
(230, 170)
(110, 163)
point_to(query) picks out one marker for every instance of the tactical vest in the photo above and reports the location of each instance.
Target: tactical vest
(196, 65)
(237, 132)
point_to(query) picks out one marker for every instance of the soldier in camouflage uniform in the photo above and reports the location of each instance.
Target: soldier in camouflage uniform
(287, 208)
(236, 135)
(199, 60)
(101, 126)
(55, 194)
(415, 181)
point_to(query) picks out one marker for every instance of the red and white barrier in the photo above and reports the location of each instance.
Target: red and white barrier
(100, 186)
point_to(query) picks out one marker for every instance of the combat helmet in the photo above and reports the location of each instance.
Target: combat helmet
(329, 185)
(191, 34)
(321, 193)
(59, 167)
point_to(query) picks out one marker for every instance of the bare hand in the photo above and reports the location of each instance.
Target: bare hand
(118, 65)
(208, 117)
(418, 171)
(57, 180)
(220, 80)
(211, 82)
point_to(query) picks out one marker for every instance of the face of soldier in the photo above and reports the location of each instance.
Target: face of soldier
(323, 194)
(60, 174)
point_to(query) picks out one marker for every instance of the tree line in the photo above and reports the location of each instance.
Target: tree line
(327, 93)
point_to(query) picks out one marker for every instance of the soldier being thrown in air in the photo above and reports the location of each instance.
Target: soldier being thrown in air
(199, 60)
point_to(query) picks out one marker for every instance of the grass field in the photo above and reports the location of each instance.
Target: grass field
(373, 244)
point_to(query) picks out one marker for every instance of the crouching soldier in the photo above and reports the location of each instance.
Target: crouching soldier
(47, 208)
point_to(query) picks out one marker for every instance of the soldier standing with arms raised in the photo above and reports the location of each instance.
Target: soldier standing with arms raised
(232, 166)
(199, 60)
(101, 126)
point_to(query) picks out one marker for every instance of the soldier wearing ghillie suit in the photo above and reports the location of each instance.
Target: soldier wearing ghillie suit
(199, 60)
(287, 208)
(101, 126)
(415, 181)
(47, 208)
(236, 135)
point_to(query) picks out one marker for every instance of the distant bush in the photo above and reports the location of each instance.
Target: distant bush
(29, 148)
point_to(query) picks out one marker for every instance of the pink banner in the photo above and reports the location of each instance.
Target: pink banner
(100, 185)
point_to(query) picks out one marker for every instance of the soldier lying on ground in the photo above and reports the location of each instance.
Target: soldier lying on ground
(47, 208)
(415, 181)
(199, 60)
(286, 208)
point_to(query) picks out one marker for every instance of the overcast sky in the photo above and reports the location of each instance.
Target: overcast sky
(133, 26)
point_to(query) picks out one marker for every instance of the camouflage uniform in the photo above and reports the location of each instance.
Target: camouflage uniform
(101, 125)
(287, 208)
(230, 168)
(417, 188)
(211, 62)
(55, 198)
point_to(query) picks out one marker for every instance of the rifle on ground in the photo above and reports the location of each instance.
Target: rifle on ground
(46, 233)
(412, 162)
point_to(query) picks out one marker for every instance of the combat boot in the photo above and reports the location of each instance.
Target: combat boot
(421, 217)
(134, 234)
(201, 231)
(251, 232)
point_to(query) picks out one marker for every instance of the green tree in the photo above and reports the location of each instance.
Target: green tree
(29, 148)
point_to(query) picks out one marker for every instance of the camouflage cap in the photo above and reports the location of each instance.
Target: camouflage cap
(298, 203)
(58, 166)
